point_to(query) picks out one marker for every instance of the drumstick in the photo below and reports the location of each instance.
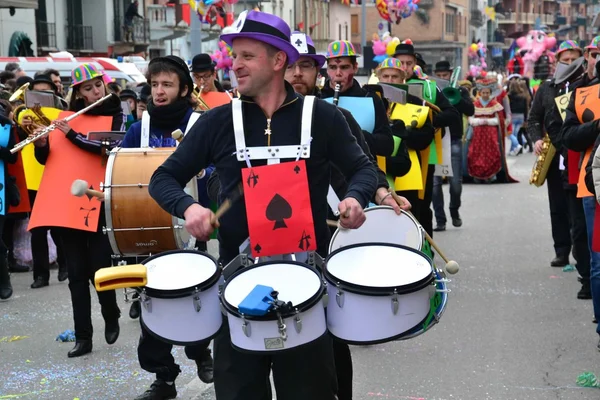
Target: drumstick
(80, 188)
(451, 265)
(228, 202)
(177, 135)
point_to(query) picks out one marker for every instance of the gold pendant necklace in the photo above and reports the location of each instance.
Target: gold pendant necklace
(268, 131)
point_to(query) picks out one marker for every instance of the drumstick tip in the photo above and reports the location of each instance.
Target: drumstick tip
(452, 267)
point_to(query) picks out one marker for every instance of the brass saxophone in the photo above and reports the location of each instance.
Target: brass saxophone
(542, 163)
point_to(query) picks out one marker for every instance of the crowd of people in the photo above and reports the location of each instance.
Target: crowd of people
(365, 146)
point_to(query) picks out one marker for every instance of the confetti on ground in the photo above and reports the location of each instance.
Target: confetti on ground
(568, 268)
(66, 336)
(588, 379)
(20, 395)
(8, 339)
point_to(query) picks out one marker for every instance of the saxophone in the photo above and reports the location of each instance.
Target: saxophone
(542, 163)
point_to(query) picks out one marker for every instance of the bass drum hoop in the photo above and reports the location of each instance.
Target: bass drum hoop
(183, 292)
(304, 306)
(107, 200)
(379, 291)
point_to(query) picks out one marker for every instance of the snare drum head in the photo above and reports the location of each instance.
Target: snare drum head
(179, 270)
(381, 226)
(378, 266)
(294, 283)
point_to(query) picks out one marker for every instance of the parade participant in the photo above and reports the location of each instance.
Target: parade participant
(142, 104)
(390, 71)
(55, 77)
(131, 97)
(341, 68)
(579, 133)
(262, 50)
(486, 159)
(204, 74)
(302, 75)
(6, 290)
(170, 108)
(567, 220)
(447, 117)
(85, 252)
(465, 108)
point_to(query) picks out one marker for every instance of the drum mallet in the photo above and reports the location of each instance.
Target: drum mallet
(177, 135)
(451, 265)
(80, 188)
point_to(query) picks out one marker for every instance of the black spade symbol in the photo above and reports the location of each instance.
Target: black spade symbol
(257, 248)
(588, 115)
(278, 210)
(297, 169)
(1, 186)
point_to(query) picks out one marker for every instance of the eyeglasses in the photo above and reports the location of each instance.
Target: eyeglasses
(204, 77)
(304, 66)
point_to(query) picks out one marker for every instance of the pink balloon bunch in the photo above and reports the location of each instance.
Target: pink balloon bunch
(222, 56)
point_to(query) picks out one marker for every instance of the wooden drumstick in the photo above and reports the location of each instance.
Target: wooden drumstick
(452, 266)
(227, 203)
(80, 188)
(177, 135)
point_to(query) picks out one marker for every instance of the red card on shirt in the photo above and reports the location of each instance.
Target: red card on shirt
(573, 166)
(278, 209)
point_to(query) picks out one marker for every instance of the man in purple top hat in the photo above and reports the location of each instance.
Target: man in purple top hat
(271, 115)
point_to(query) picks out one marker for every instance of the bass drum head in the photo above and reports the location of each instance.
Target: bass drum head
(382, 225)
(295, 283)
(180, 272)
(378, 266)
(182, 237)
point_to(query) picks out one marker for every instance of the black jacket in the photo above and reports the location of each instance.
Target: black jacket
(211, 141)
(380, 141)
(464, 107)
(11, 192)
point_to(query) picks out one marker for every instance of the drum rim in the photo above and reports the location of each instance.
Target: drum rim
(176, 342)
(266, 352)
(183, 292)
(379, 291)
(304, 306)
(404, 213)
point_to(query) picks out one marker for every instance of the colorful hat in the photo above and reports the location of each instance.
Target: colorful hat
(306, 47)
(593, 44)
(266, 28)
(84, 73)
(390, 63)
(569, 45)
(341, 48)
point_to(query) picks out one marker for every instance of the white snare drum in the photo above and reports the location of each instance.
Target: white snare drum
(180, 303)
(295, 282)
(382, 225)
(377, 291)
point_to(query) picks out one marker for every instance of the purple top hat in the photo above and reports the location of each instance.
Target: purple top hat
(306, 47)
(266, 28)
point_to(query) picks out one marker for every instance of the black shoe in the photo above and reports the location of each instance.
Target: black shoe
(62, 274)
(82, 347)
(205, 367)
(159, 390)
(111, 331)
(457, 222)
(18, 268)
(594, 320)
(585, 293)
(439, 228)
(5, 287)
(39, 282)
(559, 261)
(134, 311)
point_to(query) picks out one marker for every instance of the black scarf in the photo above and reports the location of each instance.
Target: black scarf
(110, 107)
(169, 116)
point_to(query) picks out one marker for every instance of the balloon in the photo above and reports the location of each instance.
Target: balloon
(391, 48)
(379, 48)
(379, 58)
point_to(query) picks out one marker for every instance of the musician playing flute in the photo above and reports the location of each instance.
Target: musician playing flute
(85, 252)
(169, 108)
(567, 219)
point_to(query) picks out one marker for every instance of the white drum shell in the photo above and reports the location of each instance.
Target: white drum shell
(365, 319)
(264, 336)
(176, 320)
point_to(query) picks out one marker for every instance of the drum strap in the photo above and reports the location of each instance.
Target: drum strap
(193, 118)
(145, 136)
(273, 154)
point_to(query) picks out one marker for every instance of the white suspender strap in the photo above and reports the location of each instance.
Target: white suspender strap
(145, 136)
(238, 131)
(306, 127)
(193, 118)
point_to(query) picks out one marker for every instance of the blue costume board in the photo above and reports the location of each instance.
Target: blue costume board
(4, 137)
(361, 108)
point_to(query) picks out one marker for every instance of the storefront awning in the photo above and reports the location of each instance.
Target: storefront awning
(19, 4)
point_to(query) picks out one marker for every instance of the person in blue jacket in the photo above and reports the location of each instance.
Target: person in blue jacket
(169, 108)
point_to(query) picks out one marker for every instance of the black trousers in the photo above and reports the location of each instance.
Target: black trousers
(581, 251)
(155, 356)
(85, 253)
(559, 210)
(245, 376)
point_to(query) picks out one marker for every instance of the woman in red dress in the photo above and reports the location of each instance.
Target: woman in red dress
(486, 160)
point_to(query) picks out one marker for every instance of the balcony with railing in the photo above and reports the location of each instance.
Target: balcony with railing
(46, 35)
(79, 38)
(136, 34)
(527, 18)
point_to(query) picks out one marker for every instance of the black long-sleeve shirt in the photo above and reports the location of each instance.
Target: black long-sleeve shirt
(380, 141)
(211, 141)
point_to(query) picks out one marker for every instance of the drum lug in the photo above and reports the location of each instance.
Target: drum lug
(325, 300)
(443, 290)
(246, 328)
(395, 303)
(197, 302)
(298, 322)
(105, 230)
(146, 301)
(282, 328)
(339, 297)
(102, 187)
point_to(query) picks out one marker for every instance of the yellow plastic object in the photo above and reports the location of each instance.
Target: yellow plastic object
(413, 116)
(126, 276)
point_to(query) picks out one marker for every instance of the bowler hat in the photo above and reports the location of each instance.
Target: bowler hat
(404, 49)
(442, 66)
(202, 62)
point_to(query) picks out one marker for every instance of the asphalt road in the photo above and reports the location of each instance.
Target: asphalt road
(513, 328)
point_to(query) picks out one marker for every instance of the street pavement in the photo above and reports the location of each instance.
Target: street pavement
(513, 328)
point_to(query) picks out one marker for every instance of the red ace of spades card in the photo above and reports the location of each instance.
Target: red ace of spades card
(278, 209)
